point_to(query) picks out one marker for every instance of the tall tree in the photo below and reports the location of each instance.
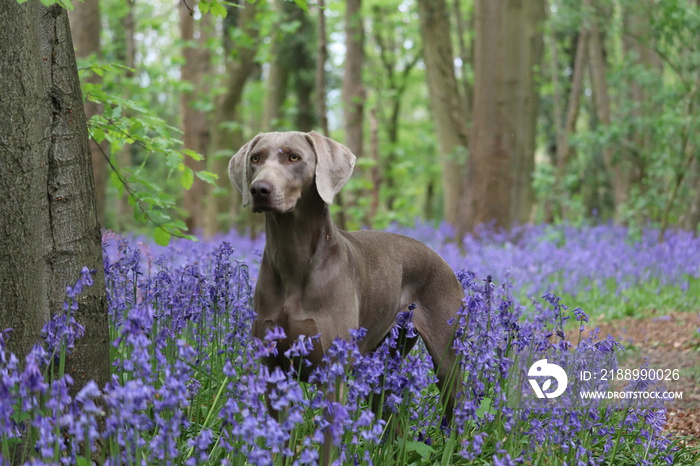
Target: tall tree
(507, 51)
(128, 23)
(565, 124)
(397, 64)
(195, 125)
(48, 219)
(278, 74)
(224, 136)
(353, 92)
(320, 81)
(301, 61)
(85, 24)
(616, 169)
(447, 105)
(292, 68)
(691, 221)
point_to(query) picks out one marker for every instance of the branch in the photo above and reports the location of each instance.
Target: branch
(123, 180)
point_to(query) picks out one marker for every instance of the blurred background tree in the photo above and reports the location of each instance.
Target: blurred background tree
(469, 111)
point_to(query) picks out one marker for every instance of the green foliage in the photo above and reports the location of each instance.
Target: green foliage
(124, 122)
(216, 7)
(653, 137)
(654, 102)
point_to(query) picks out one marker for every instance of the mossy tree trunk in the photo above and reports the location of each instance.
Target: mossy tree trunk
(49, 228)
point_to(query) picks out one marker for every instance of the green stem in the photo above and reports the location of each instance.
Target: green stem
(211, 410)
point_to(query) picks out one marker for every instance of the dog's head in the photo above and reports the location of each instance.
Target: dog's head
(274, 170)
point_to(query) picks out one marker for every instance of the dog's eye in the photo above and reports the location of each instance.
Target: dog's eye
(255, 158)
(294, 157)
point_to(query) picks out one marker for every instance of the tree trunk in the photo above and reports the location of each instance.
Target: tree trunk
(508, 48)
(292, 67)
(637, 41)
(48, 219)
(615, 169)
(353, 93)
(447, 105)
(573, 105)
(320, 82)
(301, 64)
(465, 52)
(85, 24)
(352, 90)
(390, 54)
(276, 84)
(565, 117)
(195, 126)
(124, 156)
(222, 198)
(691, 221)
(523, 28)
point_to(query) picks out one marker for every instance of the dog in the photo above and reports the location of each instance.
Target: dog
(317, 279)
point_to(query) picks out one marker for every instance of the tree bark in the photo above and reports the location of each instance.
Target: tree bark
(601, 97)
(353, 92)
(195, 125)
(391, 52)
(320, 82)
(508, 48)
(524, 21)
(638, 42)
(276, 83)
(49, 228)
(301, 64)
(465, 52)
(573, 105)
(691, 220)
(565, 118)
(85, 24)
(446, 104)
(221, 198)
(124, 156)
(291, 68)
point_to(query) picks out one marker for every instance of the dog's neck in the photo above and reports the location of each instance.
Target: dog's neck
(297, 240)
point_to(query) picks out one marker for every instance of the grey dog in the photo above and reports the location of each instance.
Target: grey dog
(317, 279)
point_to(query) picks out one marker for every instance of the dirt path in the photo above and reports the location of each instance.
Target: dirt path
(671, 334)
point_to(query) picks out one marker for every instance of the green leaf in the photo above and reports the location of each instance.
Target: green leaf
(206, 176)
(484, 408)
(302, 4)
(192, 154)
(161, 237)
(218, 9)
(421, 448)
(117, 182)
(187, 178)
(98, 134)
(449, 448)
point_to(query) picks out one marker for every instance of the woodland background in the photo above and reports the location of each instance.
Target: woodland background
(581, 114)
(469, 111)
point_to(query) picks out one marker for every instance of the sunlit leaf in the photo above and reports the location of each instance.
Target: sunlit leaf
(161, 237)
(187, 178)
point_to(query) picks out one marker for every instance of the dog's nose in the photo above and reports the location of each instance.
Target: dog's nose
(261, 189)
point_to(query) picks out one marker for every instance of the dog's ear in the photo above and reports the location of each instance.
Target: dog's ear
(238, 169)
(334, 165)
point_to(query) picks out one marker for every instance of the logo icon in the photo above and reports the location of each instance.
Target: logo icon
(542, 368)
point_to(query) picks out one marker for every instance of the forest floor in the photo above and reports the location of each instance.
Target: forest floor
(677, 336)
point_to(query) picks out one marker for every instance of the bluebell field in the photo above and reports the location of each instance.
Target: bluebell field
(187, 387)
